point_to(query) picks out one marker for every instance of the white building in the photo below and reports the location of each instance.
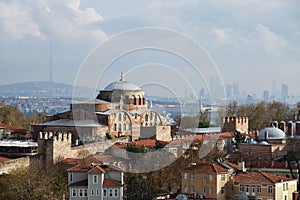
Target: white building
(95, 181)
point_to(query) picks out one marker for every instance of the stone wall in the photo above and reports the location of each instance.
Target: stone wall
(11, 165)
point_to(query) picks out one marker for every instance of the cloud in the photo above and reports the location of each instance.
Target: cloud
(272, 43)
(17, 20)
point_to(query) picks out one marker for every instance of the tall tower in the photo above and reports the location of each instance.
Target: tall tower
(50, 62)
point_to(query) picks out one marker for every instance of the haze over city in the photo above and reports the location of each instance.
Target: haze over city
(253, 43)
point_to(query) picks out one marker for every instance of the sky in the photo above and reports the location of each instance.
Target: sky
(252, 42)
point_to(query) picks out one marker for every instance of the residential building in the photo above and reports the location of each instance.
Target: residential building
(207, 180)
(95, 181)
(262, 186)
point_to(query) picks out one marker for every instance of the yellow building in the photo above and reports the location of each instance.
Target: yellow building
(207, 180)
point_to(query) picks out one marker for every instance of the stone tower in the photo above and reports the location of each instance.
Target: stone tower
(54, 146)
(232, 124)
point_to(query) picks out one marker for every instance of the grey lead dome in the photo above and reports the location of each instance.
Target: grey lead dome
(122, 85)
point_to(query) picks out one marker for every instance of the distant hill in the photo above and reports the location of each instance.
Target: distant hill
(47, 89)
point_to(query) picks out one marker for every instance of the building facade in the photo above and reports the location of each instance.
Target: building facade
(95, 182)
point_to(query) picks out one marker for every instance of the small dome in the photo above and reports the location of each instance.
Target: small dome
(263, 143)
(273, 133)
(243, 197)
(122, 85)
(253, 142)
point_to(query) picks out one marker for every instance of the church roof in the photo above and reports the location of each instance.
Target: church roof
(122, 85)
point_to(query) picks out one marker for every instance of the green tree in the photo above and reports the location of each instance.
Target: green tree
(138, 187)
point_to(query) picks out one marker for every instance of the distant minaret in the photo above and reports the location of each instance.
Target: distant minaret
(50, 62)
(122, 76)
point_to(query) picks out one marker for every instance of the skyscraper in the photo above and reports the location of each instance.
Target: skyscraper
(284, 92)
(266, 96)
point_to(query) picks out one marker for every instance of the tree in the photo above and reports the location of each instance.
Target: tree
(138, 188)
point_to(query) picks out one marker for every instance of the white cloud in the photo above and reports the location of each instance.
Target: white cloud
(273, 44)
(17, 21)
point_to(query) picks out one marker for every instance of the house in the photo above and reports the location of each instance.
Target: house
(262, 186)
(95, 181)
(206, 179)
(229, 181)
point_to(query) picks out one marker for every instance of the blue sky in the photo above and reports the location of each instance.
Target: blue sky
(252, 42)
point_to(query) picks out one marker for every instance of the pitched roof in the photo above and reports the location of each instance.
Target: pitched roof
(93, 168)
(80, 183)
(12, 128)
(3, 159)
(110, 183)
(207, 168)
(258, 177)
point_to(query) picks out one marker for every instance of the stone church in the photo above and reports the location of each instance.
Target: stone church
(119, 111)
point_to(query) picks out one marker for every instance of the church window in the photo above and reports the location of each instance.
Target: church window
(120, 116)
(146, 117)
(124, 127)
(115, 127)
(120, 127)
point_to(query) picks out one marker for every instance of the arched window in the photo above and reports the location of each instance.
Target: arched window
(120, 127)
(124, 117)
(124, 127)
(146, 117)
(133, 100)
(120, 116)
(151, 116)
(115, 127)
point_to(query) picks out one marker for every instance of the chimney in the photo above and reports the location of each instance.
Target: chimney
(275, 124)
(266, 135)
(298, 128)
(290, 131)
(241, 166)
(282, 126)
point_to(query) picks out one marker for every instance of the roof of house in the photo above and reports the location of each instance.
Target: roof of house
(4, 159)
(93, 168)
(207, 168)
(80, 183)
(258, 177)
(12, 128)
(111, 183)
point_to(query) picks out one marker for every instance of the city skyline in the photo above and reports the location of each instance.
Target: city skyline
(252, 43)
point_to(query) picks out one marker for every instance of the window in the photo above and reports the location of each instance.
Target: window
(210, 190)
(285, 197)
(104, 192)
(85, 192)
(124, 127)
(204, 177)
(241, 188)
(92, 192)
(110, 193)
(116, 192)
(253, 188)
(287, 186)
(283, 186)
(259, 189)
(115, 127)
(95, 179)
(247, 188)
(97, 192)
(124, 117)
(204, 189)
(120, 116)
(222, 190)
(74, 192)
(210, 177)
(120, 127)
(223, 177)
(270, 189)
(185, 188)
(192, 189)
(192, 176)
(80, 193)
(71, 176)
(185, 175)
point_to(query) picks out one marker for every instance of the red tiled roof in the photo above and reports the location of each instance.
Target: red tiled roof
(258, 177)
(79, 183)
(147, 143)
(70, 161)
(96, 169)
(234, 166)
(3, 159)
(13, 128)
(111, 183)
(207, 168)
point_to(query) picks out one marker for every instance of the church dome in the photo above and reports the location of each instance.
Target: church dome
(122, 85)
(273, 133)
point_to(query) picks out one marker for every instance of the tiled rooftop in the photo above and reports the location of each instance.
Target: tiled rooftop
(258, 177)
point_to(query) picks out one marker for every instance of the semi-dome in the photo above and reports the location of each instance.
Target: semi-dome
(122, 85)
(273, 133)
